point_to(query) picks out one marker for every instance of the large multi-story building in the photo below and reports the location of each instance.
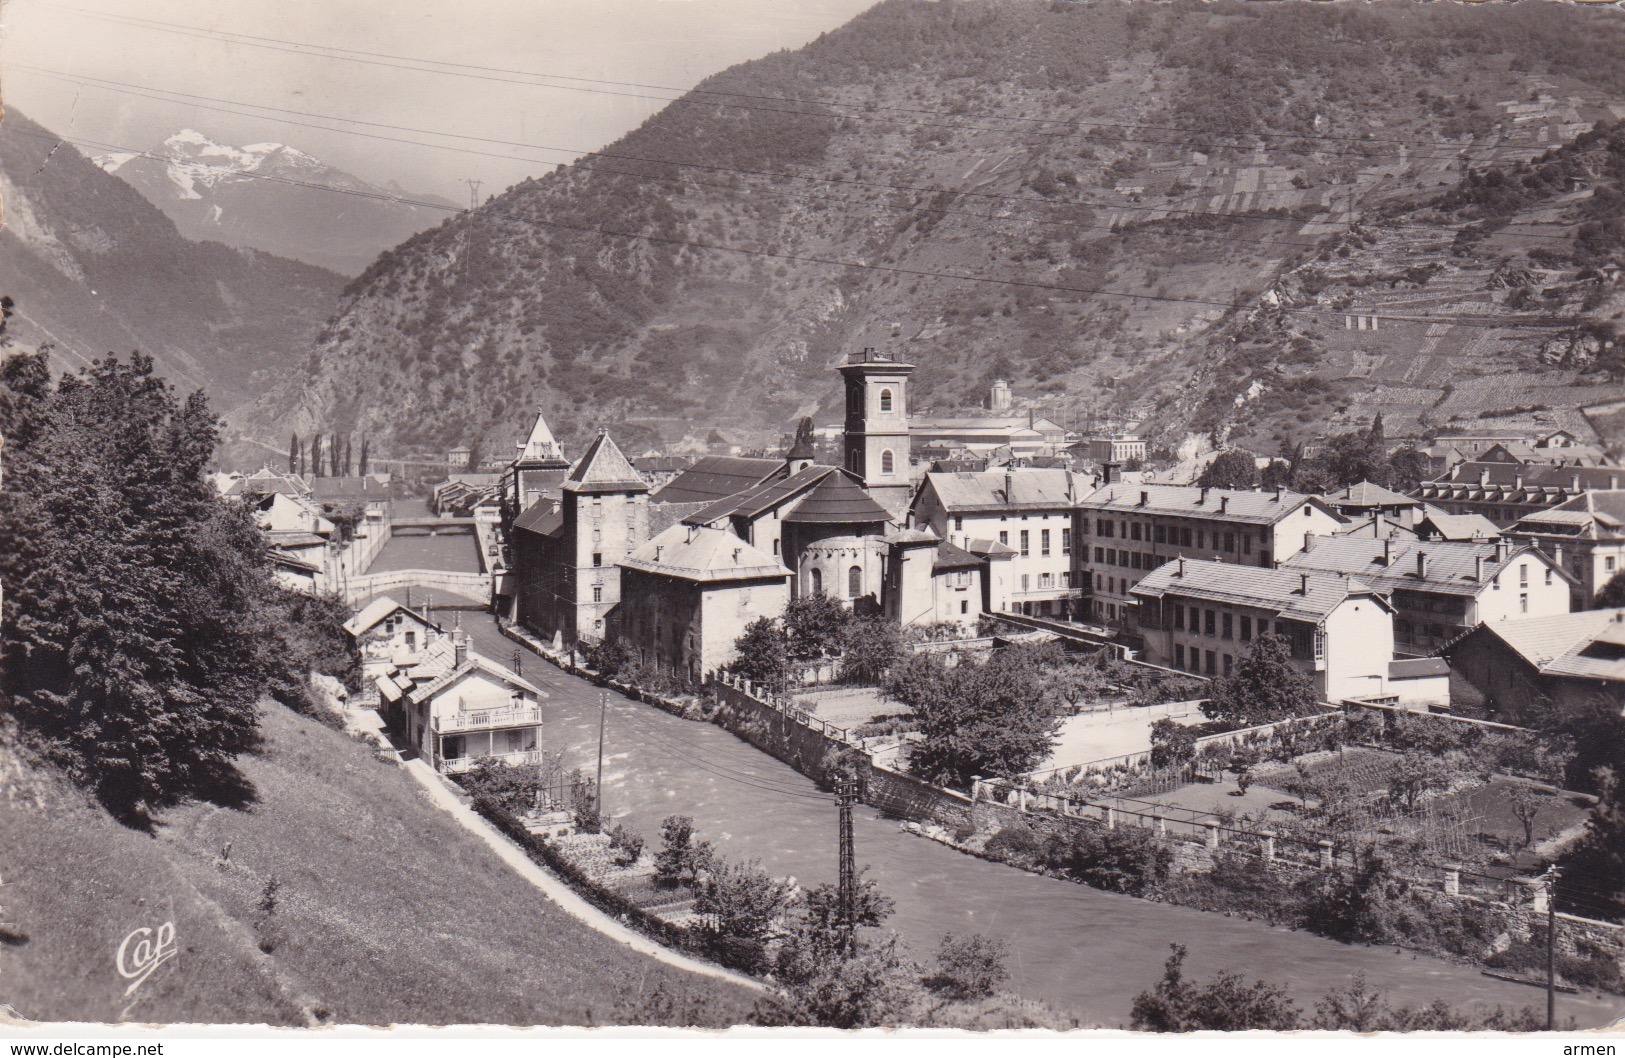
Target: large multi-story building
(1441, 589)
(1507, 492)
(1124, 531)
(1585, 536)
(1205, 616)
(1027, 509)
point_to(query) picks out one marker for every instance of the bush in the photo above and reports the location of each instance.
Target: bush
(1018, 844)
(1127, 860)
(628, 842)
(1172, 744)
(968, 968)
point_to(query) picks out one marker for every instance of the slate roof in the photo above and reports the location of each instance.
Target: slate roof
(540, 446)
(988, 547)
(1585, 644)
(950, 557)
(1186, 501)
(712, 478)
(703, 554)
(1415, 668)
(1459, 526)
(1518, 482)
(1023, 487)
(838, 500)
(1594, 515)
(1277, 590)
(435, 669)
(604, 468)
(540, 518)
(1369, 494)
(376, 611)
(660, 464)
(1452, 564)
(761, 498)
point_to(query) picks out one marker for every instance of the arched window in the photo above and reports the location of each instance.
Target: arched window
(886, 463)
(885, 400)
(816, 577)
(854, 582)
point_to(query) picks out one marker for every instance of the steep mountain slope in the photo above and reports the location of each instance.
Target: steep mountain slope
(95, 268)
(270, 197)
(1126, 176)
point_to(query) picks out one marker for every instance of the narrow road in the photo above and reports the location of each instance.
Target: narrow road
(1080, 949)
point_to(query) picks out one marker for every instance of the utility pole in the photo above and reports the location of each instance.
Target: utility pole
(1551, 950)
(473, 194)
(603, 709)
(846, 795)
(518, 662)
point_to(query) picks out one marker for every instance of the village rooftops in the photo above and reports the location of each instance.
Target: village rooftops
(1592, 515)
(703, 554)
(1189, 501)
(604, 468)
(542, 518)
(1456, 526)
(265, 481)
(1369, 494)
(1294, 594)
(436, 667)
(1512, 482)
(379, 610)
(999, 490)
(1450, 567)
(713, 478)
(367, 488)
(989, 548)
(827, 495)
(949, 557)
(1588, 644)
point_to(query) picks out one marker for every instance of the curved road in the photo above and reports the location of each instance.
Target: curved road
(1080, 949)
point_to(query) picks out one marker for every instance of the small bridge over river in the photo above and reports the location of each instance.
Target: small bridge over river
(469, 590)
(427, 525)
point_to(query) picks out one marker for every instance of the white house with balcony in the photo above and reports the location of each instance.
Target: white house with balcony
(455, 706)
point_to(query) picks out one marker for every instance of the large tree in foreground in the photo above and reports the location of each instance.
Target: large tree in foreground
(135, 643)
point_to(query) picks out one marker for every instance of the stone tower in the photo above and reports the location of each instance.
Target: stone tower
(999, 399)
(606, 517)
(876, 446)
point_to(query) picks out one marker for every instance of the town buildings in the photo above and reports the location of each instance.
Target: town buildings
(1584, 535)
(1028, 510)
(455, 706)
(1125, 531)
(876, 444)
(387, 634)
(1202, 616)
(1116, 448)
(933, 583)
(1442, 589)
(690, 592)
(1506, 492)
(536, 474)
(1567, 661)
(1370, 508)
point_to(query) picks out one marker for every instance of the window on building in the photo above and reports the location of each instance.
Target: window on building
(885, 400)
(1608, 565)
(1229, 541)
(1179, 655)
(964, 606)
(1134, 530)
(1548, 575)
(411, 639)
(1229, 663)
(1106, 528)
(1066, 579)
(598, 558)
(1024, 543)
(1246, 544)
(1184, 538)
(1046, 580)
(775, 548)
(1228, 630)
(1207, 624)
(1210, 665)
(1026, 581)
(1160, 532)
(1043, 541)
(1246, 629)
(1004, 537)
(597, 593)
(815, 579)
(887, 465)
(1523, 574)
(1523, 603)
(1201, 538)
(854, 582)
(1179, 616)
(959, 523)
(1066, 541)
(1100, 555)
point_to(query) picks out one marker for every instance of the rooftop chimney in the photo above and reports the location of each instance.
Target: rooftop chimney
(1203, 498)
(1557, 555)
(1502, 549)
(659, 548)
(1308, 541)
(1145, 498)
(1303, 584)
(1478, 568)
(1113, 472)
(1422, 564)
(736, 554)
(1224, 504)
(1575, 486)
(1279, 489)
(1484, 477)
(459, 647)
(1517, 482)
(1180, 572)
(1388, 551)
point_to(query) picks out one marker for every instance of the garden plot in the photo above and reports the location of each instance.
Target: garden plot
(1093, 736)
(849, 707)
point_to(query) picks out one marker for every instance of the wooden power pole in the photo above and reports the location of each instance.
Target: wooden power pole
(598, 790)
(846, 795)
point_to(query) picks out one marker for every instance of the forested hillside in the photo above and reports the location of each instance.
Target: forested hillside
(1126, 182)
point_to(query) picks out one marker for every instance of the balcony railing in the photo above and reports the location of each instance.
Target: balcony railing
(488, 719)
(455, 765)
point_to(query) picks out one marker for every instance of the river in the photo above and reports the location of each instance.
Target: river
(1077, 948)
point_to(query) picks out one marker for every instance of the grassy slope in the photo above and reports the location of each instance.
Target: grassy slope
(387, 912)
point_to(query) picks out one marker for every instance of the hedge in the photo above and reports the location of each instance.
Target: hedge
(600, 896)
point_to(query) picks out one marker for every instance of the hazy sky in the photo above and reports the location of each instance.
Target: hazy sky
(650, 42)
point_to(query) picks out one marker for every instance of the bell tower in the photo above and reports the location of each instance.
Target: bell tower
(876, 443)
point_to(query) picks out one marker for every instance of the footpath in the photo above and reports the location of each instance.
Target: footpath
(445, 798)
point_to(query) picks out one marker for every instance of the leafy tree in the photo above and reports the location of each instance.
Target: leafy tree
(875, 986)
(361, 468)
(1225, 1004)
(682, 858)
(1597, 864)
(1233, 469)
(814, 623)
(1074, 685)
(1612, 595)
(1277, 475)
(293, 454)
(316, 455)
(761, 654)
(1173, 744)
(740, 907)
(1265, 687)
(1419, 773)
(136, 640)
(987, 719)
(1525, 807)
(1129, 860)
(870, 646)
(1360, 1008)
(1354, 905)
(971, 967)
